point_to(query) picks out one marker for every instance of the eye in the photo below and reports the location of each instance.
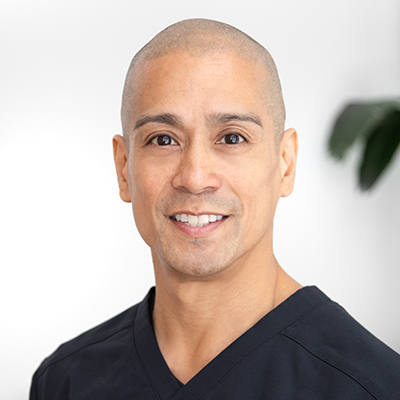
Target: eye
(232, 138)
(163, 140)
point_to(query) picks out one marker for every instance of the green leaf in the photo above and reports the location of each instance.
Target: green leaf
(357, 120)
(379, 150)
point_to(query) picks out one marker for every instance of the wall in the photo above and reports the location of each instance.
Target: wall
(70, 254)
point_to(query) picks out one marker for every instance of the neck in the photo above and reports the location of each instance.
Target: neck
(195, 319)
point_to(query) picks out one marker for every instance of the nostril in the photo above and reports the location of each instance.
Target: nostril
(196, 169)
(196, 182)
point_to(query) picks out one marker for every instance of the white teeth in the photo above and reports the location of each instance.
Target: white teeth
(201, 220)
(192, 220)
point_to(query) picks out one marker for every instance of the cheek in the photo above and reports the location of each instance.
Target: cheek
(257, 186)
(145, 188)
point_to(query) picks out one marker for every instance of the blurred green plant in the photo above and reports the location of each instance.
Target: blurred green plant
(377, 126)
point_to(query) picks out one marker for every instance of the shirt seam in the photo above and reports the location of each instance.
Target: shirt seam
(260, 345)
(81, 348)
(331, 364)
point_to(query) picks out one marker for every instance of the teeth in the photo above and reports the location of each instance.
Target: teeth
(204, 219)
(201, 220)
(192, 220)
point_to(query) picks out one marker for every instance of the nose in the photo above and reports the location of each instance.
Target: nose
(197, 170)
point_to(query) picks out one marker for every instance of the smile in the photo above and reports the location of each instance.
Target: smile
(197, 221)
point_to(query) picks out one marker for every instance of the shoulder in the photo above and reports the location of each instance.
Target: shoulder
(105, 353)
(94, 336)
(330, 334)
(104, 338)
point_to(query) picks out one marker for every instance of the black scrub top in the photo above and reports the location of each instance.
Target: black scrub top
(306, 348)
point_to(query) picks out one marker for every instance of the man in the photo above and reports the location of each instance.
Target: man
(204, 159)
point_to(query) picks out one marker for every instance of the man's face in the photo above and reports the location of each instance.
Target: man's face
(202, 152)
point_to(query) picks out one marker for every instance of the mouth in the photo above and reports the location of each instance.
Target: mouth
(198, 221)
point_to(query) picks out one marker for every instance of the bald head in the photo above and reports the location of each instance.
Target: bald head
(198, 38)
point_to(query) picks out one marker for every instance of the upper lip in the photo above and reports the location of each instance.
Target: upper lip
(197, 213)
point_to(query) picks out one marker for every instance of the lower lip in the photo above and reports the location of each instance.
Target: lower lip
(197, 231)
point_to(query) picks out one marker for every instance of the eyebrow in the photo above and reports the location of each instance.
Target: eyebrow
(223, 118)
(214, 119)
(165, 118)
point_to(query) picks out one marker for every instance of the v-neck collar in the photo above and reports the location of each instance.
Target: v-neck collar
(164, 382)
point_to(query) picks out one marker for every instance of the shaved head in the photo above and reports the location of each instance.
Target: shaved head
(198, 38)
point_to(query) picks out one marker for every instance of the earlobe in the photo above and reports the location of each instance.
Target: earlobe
(287, 159)
(121, 166)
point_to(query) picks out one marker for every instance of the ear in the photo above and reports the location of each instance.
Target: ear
(121, 165)
(287, 161)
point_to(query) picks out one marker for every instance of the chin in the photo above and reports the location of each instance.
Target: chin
(196, 270)
(196, 266)
(198, 257)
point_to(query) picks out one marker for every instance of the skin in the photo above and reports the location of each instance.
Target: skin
(212, 283)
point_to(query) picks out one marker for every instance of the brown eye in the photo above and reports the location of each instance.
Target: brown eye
(163, 140)
(232, 138)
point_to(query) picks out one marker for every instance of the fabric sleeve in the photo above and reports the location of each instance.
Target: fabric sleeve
(33, 391)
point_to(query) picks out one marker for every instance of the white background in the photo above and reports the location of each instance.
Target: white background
(70, 255)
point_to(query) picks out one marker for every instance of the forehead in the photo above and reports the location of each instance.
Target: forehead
(180, 82)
